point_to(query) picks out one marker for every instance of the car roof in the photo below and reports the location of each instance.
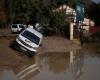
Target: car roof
(35, 32)
(19, 24)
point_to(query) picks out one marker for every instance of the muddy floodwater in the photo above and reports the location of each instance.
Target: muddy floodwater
(73, 65)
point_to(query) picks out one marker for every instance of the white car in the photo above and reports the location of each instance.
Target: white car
(29, 40)
(15, 28)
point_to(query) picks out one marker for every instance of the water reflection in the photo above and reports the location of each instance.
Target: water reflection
(23, 70)
(60, 65)
(27, 69)
(74, 65)
(58, 62)
(7, 75)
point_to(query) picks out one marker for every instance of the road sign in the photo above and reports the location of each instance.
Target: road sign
(80, 12)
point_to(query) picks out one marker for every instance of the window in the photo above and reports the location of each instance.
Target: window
(21, 26)
(14, 26)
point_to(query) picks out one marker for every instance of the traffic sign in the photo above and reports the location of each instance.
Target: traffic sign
(80, 12)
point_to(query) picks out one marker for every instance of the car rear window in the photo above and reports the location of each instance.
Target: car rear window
(14, 26)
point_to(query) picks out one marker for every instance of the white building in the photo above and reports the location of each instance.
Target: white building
(86, 24)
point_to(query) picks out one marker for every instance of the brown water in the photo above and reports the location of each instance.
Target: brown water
(74, 65)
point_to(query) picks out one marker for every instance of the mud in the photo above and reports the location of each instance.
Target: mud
(57, 59)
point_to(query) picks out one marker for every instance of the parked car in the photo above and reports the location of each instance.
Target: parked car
(17, 28)
(29, 40)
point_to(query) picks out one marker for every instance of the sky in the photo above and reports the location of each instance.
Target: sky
(97, 1)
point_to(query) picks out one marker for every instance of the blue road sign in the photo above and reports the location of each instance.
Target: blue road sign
(80, 12)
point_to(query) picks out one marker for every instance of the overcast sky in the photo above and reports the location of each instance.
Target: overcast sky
(96, 1)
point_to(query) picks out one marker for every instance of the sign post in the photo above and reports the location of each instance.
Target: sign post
(80, 19)
(79, 12)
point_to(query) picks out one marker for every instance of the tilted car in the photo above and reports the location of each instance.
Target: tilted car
(29, 40)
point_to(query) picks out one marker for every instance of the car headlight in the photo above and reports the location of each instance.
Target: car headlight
(24, 43)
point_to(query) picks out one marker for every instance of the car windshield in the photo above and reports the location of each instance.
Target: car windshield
(31, 36)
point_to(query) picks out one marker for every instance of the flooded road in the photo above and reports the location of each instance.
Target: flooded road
(74, 65)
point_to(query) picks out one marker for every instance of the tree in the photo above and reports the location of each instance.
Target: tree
(58, 22)
(8, 7)
(93, 12)
(23, 11)
(2, 14)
